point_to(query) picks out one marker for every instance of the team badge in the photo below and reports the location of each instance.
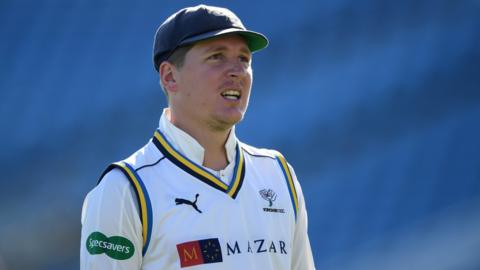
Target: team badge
(270, 196)
(199, 252)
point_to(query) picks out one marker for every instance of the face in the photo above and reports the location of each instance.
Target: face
(212, 88)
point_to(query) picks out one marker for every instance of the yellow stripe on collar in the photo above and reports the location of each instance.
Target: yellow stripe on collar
(189, 163)
(198, 171)
(238, 173)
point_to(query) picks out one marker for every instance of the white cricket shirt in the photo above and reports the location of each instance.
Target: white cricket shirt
(160, 209)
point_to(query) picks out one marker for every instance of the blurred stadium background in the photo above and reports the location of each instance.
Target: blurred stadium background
(376, 104)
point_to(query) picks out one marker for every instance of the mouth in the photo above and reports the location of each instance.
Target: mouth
(231, 94)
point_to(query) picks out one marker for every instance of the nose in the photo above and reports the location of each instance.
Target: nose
(237, 69)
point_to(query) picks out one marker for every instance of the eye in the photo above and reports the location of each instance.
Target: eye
(215, 56)
(245, 59)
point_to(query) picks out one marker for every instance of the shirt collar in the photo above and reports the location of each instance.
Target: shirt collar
(187, 145)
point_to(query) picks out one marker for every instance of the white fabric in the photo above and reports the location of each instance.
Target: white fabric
(266, 240)
(111, 208)
(189, 147)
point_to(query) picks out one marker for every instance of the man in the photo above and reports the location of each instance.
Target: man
(195, 196)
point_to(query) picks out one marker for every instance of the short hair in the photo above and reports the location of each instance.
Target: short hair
(177, 58)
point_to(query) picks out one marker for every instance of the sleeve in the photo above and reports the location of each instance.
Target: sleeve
(111, 236)
(302, 258)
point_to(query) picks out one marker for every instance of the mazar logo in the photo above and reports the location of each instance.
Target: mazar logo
(208, 251)
(115, 247)
(256, 246)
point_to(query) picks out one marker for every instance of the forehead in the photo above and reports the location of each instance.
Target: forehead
(226, 42)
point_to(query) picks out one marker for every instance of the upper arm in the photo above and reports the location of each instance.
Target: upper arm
(111, 235)
(302, 258)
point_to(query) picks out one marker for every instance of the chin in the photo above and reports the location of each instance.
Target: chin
(226, 123)
(234, 119)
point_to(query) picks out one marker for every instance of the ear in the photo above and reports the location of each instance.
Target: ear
(167, 73)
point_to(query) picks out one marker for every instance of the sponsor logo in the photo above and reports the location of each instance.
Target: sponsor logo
(187, 202)
(199, 252)
(270, 196)
(115, 247)
(210, 251)
(256, 246)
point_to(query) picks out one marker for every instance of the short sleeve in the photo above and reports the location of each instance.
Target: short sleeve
(302, 258)
(111, 236)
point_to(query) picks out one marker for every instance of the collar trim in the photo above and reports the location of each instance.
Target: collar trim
(198, 171)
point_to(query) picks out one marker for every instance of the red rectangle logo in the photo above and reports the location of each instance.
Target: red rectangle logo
(190, 254)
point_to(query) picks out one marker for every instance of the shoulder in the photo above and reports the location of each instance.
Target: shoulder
(147, 156)
(119, 174)
(114, 183)
(258, 152)
(269, 154)
(107, 194)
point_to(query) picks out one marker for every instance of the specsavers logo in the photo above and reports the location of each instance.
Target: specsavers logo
(115, 247)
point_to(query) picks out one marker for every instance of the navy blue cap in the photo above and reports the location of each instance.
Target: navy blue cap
(193, 24)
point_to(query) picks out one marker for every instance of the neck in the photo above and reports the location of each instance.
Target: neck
(212, 140)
